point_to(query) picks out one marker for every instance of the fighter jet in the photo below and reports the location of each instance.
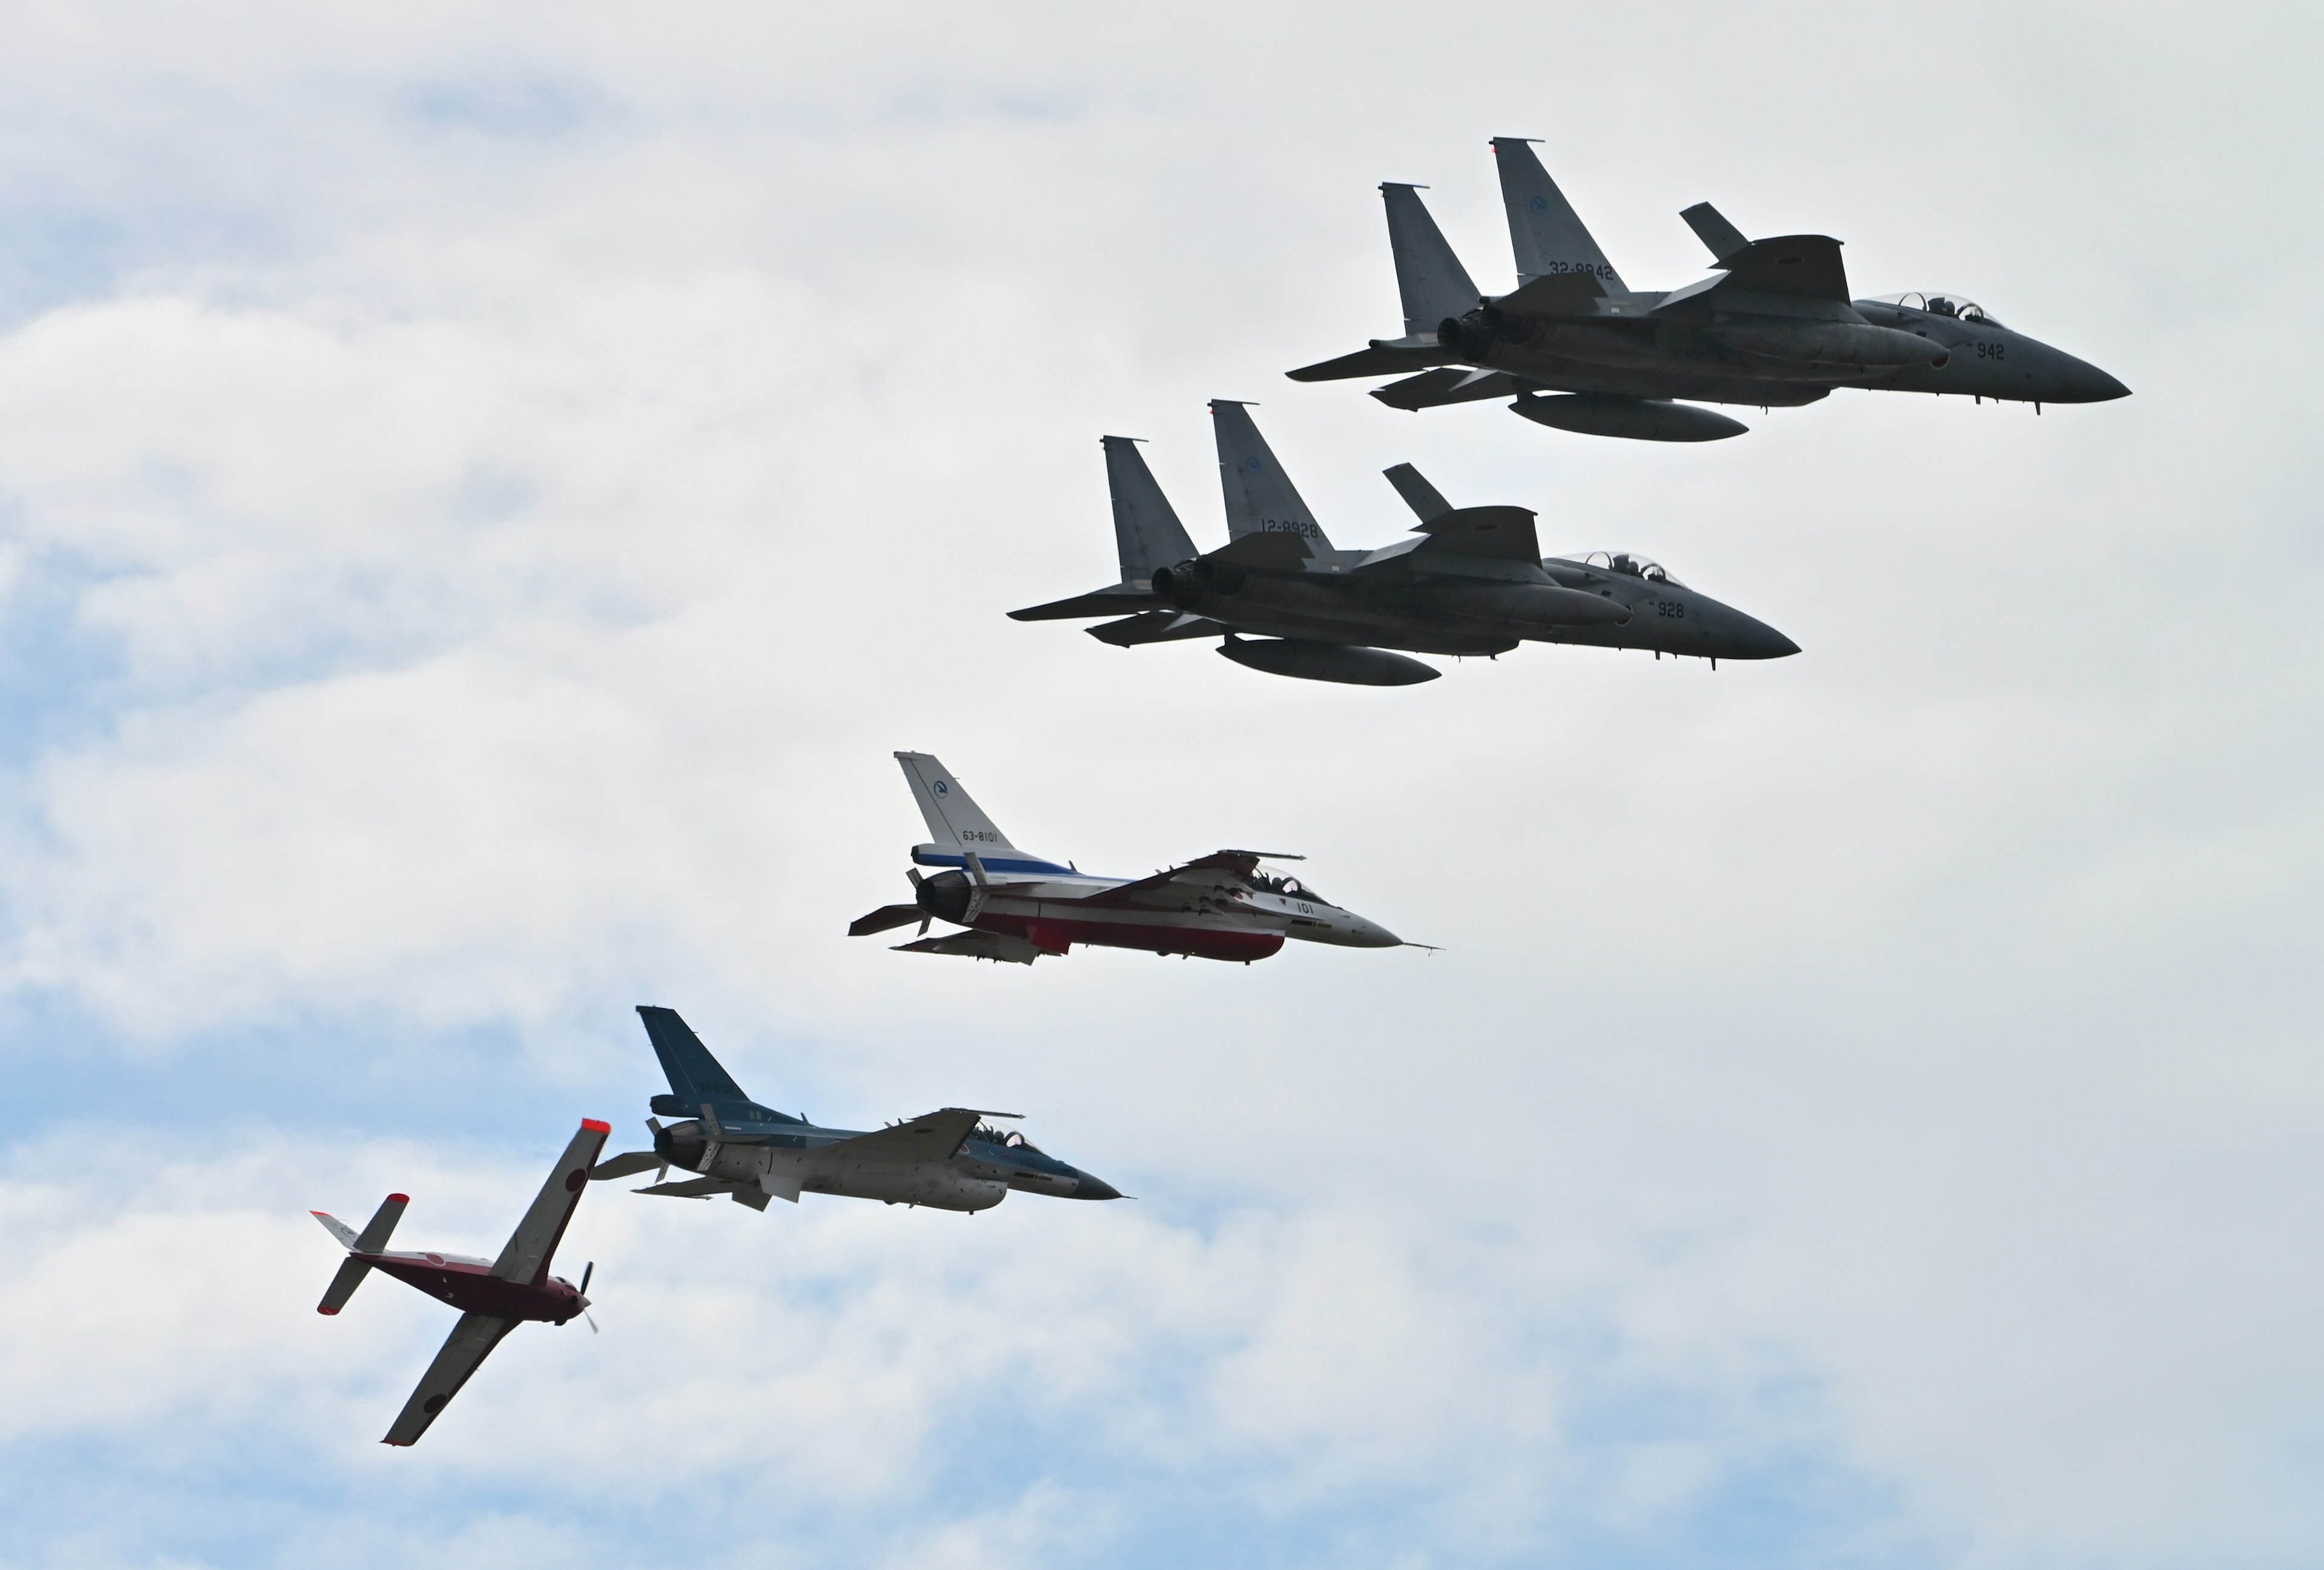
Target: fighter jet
(951, 1160)
(1473, 581)
(1577, 349)
(493, 1296)
(1018, 906)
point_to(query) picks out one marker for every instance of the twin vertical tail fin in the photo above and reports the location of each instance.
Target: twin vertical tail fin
(1428, 275)
(1545, 233)
(371, 1240)
(1145, 528)
(1260, 497)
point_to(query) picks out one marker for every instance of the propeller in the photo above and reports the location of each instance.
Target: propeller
(587, 1271)
(914, 874)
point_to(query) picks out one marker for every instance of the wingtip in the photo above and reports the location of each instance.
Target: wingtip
(320, 1309)
(596, 1127)
(399, 1199)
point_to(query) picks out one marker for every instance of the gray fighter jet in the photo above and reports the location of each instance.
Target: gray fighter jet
(1473, 581)
(951, 1160)
(1576, 348)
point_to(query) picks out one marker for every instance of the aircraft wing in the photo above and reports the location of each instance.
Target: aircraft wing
(994, 945)
(1802, 264)
(1503, 532)
(1174, 888)
(1155, 627)
(471, 1342)
(930, 1137)
(534, 1241)
(1554, 294)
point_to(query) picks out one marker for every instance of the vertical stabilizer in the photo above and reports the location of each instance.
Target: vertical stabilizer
(695, 1076)
(1147, 530)
(1544, 231)
(1430, 278)
(1261, 498)
(952, 817)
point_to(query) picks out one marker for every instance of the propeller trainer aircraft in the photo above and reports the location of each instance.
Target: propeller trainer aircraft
(1018, 906)
(951, 1160)
(1579, 349)
(493, 1296)
(1471, 580)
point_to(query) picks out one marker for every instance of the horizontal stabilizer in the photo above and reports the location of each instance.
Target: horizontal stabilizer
(1421, 497)
(1714, 231)
(994, 946)
(342, 1286)
(1379, 360)
(336, 1228)
(887, 918)
(1155, 627)
(1451, 385)
(628, 1164)
(1105, 602)
(382, 1225)
(691, 1188)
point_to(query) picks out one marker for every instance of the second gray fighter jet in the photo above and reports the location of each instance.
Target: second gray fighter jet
(1472, 581)
(1575, 347)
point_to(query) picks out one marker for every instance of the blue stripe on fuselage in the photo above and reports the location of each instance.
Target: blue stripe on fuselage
(994, 864)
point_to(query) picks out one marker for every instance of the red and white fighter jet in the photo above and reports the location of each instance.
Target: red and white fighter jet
(1018, 906)
(493, 1296)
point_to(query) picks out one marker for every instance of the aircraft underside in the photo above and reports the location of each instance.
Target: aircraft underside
(1054, 933)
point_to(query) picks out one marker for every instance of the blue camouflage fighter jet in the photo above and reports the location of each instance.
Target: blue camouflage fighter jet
(949, 1159)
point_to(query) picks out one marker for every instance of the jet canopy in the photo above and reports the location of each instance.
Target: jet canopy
(1268, 879)
(1007, 1138)
(1959, 306)
(1629, 566)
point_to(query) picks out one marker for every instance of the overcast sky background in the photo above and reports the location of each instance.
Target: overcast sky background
(483, 490)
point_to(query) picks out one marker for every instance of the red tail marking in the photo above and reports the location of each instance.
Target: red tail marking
(595, 1127)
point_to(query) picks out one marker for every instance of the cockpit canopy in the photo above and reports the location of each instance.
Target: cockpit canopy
(1268, 879)
(1629, 566)
(1007, 1138)
(1939, 303)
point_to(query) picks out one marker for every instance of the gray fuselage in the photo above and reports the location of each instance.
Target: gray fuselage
(1436, 615)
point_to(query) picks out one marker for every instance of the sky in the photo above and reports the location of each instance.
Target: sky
(483, 490)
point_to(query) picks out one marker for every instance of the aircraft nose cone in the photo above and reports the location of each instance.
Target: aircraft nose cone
(2085, 383)
(1754, 640)
(1089, 1188)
